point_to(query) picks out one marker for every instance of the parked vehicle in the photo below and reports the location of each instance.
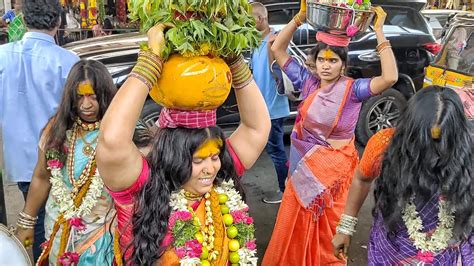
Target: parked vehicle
(409, 33)
(453, 67)
(438, 20)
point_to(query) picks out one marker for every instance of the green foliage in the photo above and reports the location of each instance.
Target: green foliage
(246, 233)
(202, 27)
(183, 231)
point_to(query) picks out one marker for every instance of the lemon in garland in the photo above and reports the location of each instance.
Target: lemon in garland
(232, 232)
(234, 257)
(205, 253)
(234, 245)
(199, 237)
(205, 263)
(227, 219)
(223, 198)
(225, 209)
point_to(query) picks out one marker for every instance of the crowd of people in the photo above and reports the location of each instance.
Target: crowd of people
(102, 189)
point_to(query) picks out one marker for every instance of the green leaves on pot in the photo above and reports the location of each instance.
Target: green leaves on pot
(216, 27)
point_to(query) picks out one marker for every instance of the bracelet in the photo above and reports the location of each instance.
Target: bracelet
(384, 48)
(148, 68)
(297, 20)
(347, 225)
(382, 45)
(26, 221)
(241, 75)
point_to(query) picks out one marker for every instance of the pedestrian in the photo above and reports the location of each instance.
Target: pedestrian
(323, 157)
(168, 209)
(16, 27)
(424, 192)
(79, 211)
(277, 105)
(33, 72)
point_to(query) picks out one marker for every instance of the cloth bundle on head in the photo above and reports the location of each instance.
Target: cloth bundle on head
(170, 118)
(333, 40)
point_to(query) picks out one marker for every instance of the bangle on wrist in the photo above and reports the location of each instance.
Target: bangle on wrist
(148, 68)
(382, 45)
(297, 20)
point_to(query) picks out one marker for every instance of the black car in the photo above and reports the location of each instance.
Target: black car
(405, 27)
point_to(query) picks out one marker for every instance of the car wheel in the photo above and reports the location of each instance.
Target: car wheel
(150, 113)
(379, 112)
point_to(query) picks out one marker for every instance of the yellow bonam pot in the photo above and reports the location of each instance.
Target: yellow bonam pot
(193, 83)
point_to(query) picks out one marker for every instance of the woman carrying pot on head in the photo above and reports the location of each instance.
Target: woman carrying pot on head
(79, 211)
(424, 192)
(323, 157)
(178, 205)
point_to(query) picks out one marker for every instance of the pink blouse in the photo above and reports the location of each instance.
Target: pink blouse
(124, 201)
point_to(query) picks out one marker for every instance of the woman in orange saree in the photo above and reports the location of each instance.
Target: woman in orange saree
(323, 157)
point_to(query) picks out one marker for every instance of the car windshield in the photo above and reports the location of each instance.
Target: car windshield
(458, 50)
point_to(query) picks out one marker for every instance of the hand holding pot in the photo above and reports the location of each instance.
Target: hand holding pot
(156, 38)
(380, 16)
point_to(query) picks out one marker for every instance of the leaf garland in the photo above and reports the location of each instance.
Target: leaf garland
(215, 27)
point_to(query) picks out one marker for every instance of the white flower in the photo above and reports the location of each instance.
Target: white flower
(440, 238)
(247, 256)
(190, 261)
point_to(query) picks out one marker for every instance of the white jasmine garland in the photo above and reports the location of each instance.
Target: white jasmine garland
(247, 256)
(63, 196)
(440, 238)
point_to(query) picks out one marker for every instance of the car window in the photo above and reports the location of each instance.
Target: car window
(282, 15)
(405, 17)
(458, 50)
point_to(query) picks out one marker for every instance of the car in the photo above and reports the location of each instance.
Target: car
(412, 42)
(453, 67)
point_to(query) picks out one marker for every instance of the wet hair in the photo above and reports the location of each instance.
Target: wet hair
(342, 52)
(417, 167)
(104, 89)
(170, 162)
(41, 14)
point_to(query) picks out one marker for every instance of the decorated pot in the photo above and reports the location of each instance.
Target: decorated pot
(193, 83)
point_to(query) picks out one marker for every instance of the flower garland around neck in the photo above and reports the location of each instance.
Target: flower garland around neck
(429, 243)
(194, 243)
(63, 195)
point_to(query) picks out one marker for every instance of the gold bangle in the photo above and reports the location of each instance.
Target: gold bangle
(384, 48)
(297, 20)
(382, 45)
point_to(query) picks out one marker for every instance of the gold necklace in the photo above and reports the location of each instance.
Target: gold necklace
(192, 197)
(88, 150)
(86, 126)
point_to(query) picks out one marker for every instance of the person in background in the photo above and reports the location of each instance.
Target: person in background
(277, 105)
(16, 27)
(323, 156)
(33, 72)
(423, 197)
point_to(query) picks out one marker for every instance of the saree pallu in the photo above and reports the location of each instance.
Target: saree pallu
(318, 184)
(399, 250)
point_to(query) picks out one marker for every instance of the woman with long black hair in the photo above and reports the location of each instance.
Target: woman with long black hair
(423, 197)
(178, 205)
(79, 211)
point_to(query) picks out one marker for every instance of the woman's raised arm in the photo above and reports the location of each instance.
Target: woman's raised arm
(118, 159)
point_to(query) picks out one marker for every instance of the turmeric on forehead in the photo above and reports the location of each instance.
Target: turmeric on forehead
(328, 54)
(208, 148)
(85, 88)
